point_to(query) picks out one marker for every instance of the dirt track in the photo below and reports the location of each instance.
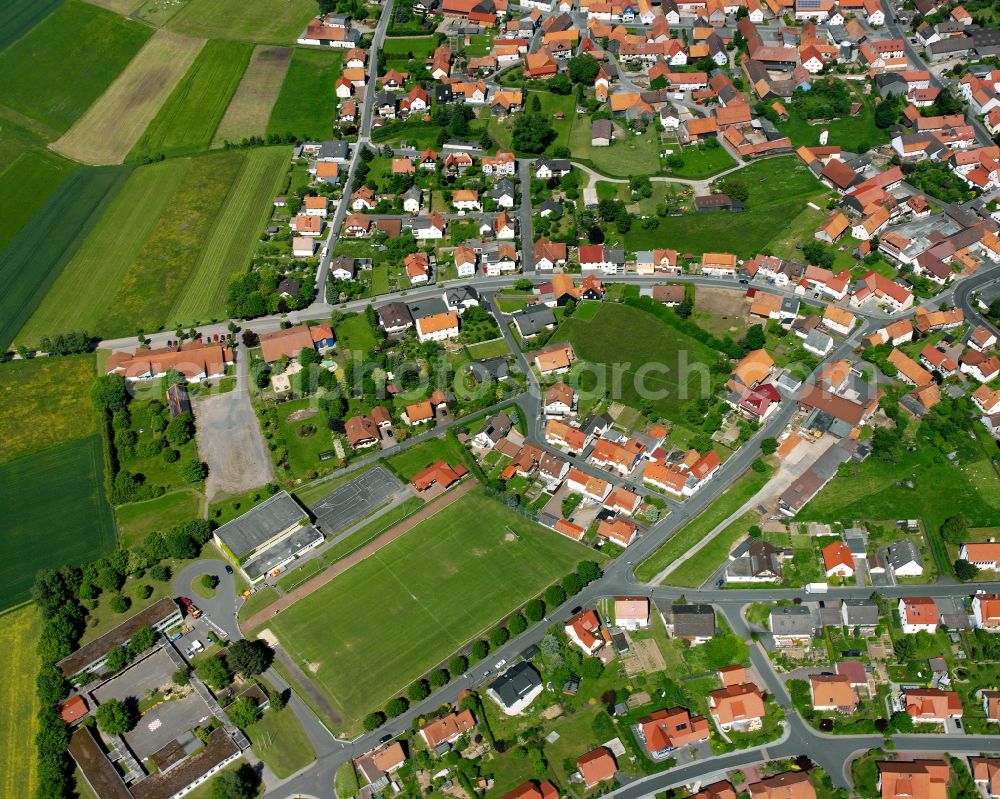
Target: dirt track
(354, 558)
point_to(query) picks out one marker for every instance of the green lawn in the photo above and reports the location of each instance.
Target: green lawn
(633, 155)
(84, 290)
(488, 349)
(25, 185)
(876, 489)
(137, 519)
(702, 162)
(648, 356)
(36, 256)
(441, 584)
(404, 47)
(355, 334)
(306, 439)
(854, 134)
(779, 188)
(279, 740)
(417, 458)
(158, 274)
(264, 21)
(44, 402)
(56, 514)
(186, 122)
(700, 566)
(65, 62)
(696, 529)
(550, 105)
(306, 104)
(234, 235)
(257, 602)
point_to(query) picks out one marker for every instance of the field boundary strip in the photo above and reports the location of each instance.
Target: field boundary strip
(112, 126)
(341, 566)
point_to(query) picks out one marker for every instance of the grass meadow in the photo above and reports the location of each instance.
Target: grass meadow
(19, 633)
(234, 234)
(110, 128)
(137, 519)
(25, 185)
(306, 105)
(779, 189)
(79, 49)
(437, 587)
(45, 401)
(629, 339)
(250, 109)
(164, 263)
(84, 290)
(264, 21)
(34, 259)
(55, 513)
(186, 122)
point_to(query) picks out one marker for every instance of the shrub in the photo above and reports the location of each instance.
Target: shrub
(118, 603)
(143, 591)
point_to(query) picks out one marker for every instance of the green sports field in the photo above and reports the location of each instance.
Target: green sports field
(186, 122)
(366, 635)
(265, 21)
(19, 705)
(64, 63)
(84, 291)
(36, 256)
(20, 16)
(162, 266)
(55, 513)
(24, 187)
(234, 235)
(633, 350)
(306, 104)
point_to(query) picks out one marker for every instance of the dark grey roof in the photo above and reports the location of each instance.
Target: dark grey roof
(516, 683)
(260, 524)
(490, 368)
(791, 620)
(504, 186)
(497, 426)
(428, 307)
(334, 148)
(614, 255)
(534, 319)
(755, 557)
(414, 193)
(860, 612)
(341, 262)
(556, 164)
(900, 554)
(601, 129)
(950, 46)
(395, 314)
(693, 621)
(550, 205)
(461, 294)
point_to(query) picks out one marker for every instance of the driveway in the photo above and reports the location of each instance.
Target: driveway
(230, 441)
(219, 612)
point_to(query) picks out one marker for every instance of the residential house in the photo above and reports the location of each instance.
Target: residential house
(737, 707)
(516, 688)
(692, 623)
(596, 766)
(918, 613)
(832, 692)
(791, 625)
(932, 705)
(632, 612)
(437, 327)
(666, 730)
(584, 630)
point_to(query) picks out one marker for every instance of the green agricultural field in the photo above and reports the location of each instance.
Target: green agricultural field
(161, 269)
(267, 21)
(20, 16)
(56, 514)
(19, 634)
(250, 108)
(234, 235)
(25, 185)
(34, 259)
(44, 402)
(66, 62)
(83, 293)
(441, 584)
(186, 122)
(14, 141)
(306, 104)
(629, 341)
(780, 188)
